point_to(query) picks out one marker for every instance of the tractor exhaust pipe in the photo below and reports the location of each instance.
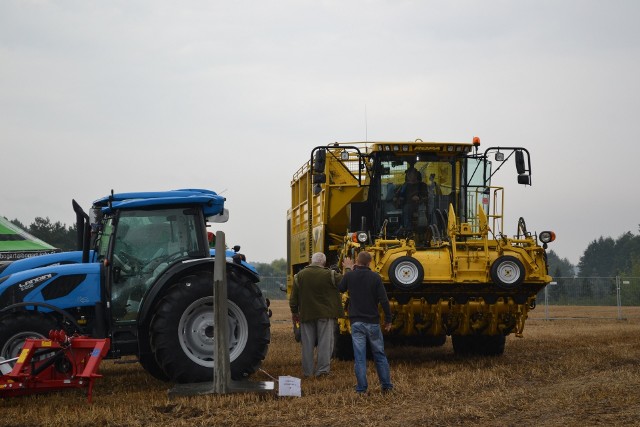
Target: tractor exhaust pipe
(84, 230)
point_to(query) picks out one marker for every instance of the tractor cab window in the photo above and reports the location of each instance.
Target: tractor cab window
(414, 195)
(146, 244)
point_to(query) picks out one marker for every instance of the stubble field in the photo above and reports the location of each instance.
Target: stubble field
(569, 372)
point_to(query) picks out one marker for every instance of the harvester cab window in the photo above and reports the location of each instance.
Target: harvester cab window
(414, 194)
(475, 190)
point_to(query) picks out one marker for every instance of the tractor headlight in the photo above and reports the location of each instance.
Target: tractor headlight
(362, 237)
(547, 236)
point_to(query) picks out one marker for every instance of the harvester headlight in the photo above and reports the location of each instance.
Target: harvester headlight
(405, 148)
(547, 236)
(362, 237)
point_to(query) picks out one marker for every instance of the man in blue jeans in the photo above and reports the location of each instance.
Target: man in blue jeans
(365, 293)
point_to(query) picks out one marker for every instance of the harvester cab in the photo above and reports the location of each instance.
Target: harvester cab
(433, 222)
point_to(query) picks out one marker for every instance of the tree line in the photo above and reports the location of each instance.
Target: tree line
(603, 257)
(56, 234)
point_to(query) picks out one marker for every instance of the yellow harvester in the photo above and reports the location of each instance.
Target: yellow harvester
(432, 221)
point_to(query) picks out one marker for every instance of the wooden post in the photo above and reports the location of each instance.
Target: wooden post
(221, 363)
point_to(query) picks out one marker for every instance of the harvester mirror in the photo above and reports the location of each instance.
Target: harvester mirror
(319, 160)
(319, 178)
(520, 165)
(524, 179)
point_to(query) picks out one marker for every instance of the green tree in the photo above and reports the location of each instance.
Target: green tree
(560, 267)
(276, 268)
(607, 257)
(597, 259)
(56, 234)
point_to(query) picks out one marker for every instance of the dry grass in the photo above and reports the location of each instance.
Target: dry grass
(564, 372)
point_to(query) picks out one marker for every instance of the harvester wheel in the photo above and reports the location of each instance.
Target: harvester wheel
(182, 330)
(343, 346)
(19, 326)
(406, 273)
(481, 345)
(507, 272)
(430, 340)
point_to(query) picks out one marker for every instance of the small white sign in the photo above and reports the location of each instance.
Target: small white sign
(289, 386)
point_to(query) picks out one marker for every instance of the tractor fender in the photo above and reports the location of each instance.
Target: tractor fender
(185, 269)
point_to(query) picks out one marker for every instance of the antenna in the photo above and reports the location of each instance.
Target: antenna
(366, 135)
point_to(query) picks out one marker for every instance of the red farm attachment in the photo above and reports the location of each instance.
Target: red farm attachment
(56, 363)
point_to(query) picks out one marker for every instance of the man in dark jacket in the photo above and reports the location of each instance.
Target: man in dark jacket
(315, 302)
(366, 291)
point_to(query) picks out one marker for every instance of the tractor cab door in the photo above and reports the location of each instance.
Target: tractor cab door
(146, 243)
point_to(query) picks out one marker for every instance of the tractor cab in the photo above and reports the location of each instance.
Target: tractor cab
(137, 246)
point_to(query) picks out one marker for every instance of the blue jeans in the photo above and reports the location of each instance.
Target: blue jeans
(360, 334)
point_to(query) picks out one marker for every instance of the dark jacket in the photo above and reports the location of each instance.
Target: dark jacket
(315, 294)
(366, 291)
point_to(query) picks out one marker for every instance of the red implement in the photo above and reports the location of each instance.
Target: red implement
(56, 363)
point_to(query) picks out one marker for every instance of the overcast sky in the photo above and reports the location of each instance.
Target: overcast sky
(233, 95)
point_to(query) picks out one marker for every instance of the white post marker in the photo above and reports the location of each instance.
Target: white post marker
(221, 363)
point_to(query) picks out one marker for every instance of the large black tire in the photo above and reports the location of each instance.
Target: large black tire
(430, 340)
(17, 327)
(481, 345)
(149, 364)
(342, 346)
(181, 330)
(507, 272)
(406, 273)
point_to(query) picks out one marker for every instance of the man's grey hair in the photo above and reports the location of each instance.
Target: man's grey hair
(318, 259)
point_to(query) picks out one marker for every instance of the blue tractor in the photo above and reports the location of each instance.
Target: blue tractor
(144, 279)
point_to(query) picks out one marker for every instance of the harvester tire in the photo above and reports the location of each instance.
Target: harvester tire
(182, 330)
(507, 272)
(430, 340)
(406, 273)
(342, 346)
(19, 326)
(480, 345)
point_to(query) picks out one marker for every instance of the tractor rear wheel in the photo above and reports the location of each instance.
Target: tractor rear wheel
(182, 330)
(19, 326)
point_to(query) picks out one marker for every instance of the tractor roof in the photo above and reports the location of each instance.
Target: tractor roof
(211, 202)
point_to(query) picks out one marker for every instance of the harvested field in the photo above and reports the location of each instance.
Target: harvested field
(563, 372)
